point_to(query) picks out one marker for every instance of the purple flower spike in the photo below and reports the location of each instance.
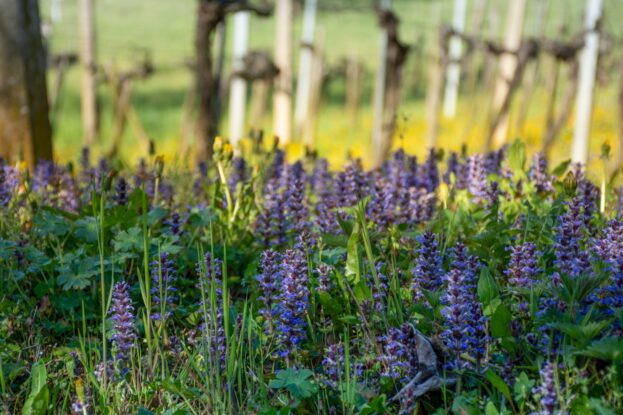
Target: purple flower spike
(539, 174)
(546, 391)
(121, 313)
(293, 302)
(477, 177)
(428, 271)
(269, 279)
(163, 275)
(523, 267)
(571, 259)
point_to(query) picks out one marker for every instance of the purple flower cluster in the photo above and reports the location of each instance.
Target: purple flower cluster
(546, 391)
(295, 201)
(523, 267)
(271, 221)
(163, 277)
(400, 359)
(465, 324)
(121, 192)
(121, 314)
(571, 259)
(428, 269)
(324, 278)
(293, 303)
(212, 325)
(333, 366)
(609, 246)
(5, 190)
(539, 174)
(477, 177)
(269, 280)
(174, 223)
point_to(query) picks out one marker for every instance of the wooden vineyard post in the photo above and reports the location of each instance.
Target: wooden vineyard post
(354, 72)
(435, 83)
(315, 95)
(453, 73)
(25, 130)
(238, 89)
(507, 67)
(379, 92)
(586, 82)
(88, 61)
(282, 97)
(306, 62)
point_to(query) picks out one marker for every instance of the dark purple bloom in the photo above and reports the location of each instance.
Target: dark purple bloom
(5, 190)
(295, 203)
(609, 246)
(493, 160)
(334, 368)
(399, 360)
(546, 391)
(175, 222)
(121, 314)
(238, 174)
(428, 270)
(293, 303)
(269, 279)
(270, 223)
(523, 267)
(351, 184)
(421, 206)
(571, 258)
(465, 324)
(539, 174)
(121, 192)
(429, 172)
(477, 177)
(212, 325)
(163, 277)
(324, 278)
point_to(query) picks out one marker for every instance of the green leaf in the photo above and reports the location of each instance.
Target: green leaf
(523, 387)
(490, 409)
(86, 229)
(39, 398)
(561, 168)
(353, 256)
(517, 158)
(499, 384)
(487, 287)
(295, 381)
(610, 349)
(501, 322)
(129, 241)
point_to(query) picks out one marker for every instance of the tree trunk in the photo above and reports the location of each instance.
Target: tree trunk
(315, 95)
(282, 97)
(25, 130)
(353, 88)
(88, 92)
(238, 89)
(586, 77)
(204, 78)
(508, 65)
(453, 75)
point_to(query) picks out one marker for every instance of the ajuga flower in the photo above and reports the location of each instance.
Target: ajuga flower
(429, 172)
(324, 278)
(163, 277)
(322, 185)
(477, 177)
(571, 259)
(5, 191)
(421, 205)
(238, 173)
(609, 247)
(121, 314)
(399, 360)
(121, 192)
(465, 324)
(351, 184)
(270, 223)
(523, 266)
(295, 201)
(334, 368)
(212, 325)
(493, 160)
(539, 174)
(428, 270)
(269, 279)
(174, 223)
(293, 302)
(546, 391)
